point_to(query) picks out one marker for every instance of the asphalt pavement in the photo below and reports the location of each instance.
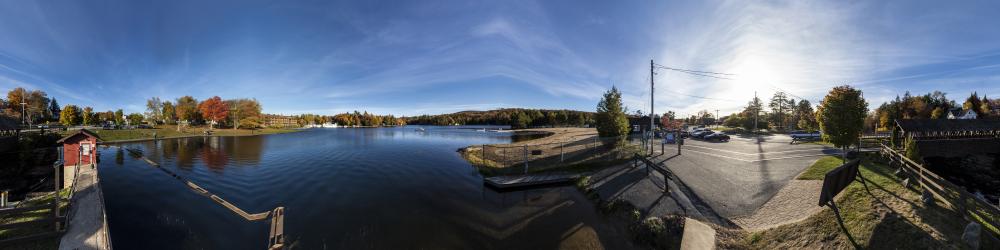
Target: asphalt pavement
(736, 178)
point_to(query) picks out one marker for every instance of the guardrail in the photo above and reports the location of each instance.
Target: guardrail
(517, 159)
(650, 166)
(971, 207)
(52, 217)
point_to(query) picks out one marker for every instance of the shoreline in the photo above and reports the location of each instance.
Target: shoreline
(184, 136)
(139, 135)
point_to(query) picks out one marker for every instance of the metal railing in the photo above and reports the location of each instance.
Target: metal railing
(971, 207)
(530, 157)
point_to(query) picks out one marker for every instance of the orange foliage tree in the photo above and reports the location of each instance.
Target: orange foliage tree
(213, 109)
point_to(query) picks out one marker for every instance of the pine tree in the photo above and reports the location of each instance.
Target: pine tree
(611, 120)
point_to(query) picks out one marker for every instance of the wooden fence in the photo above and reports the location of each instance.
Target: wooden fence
(971, 207)
(52, 217)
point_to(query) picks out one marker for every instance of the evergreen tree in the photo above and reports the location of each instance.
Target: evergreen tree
(54, 110)
(610, 117)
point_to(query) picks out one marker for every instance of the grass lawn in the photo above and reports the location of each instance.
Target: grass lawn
(819, 169)
(886, 215)
(168, 131)
(45, 243)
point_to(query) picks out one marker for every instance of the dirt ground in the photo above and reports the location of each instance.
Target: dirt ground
(558, 135)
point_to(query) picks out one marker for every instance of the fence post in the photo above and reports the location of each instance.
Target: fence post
(483, 159)
(55, 200)
(561, 145)
(505, 160)
(3, 199)
(525, 151)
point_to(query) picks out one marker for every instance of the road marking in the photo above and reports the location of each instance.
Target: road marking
(716, 155)
(756, 160)
(730, 151)
(790, 157)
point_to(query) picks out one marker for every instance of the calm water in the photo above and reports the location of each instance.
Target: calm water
(370, 188)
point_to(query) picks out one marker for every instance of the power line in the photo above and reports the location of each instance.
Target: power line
(695, 71)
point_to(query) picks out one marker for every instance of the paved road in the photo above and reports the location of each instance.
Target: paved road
(735, 178)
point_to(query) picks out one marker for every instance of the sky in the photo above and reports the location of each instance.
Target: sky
(432, 57)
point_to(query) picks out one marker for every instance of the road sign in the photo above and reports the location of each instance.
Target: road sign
(838, 179)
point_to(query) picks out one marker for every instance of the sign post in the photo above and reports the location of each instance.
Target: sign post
(834, 182)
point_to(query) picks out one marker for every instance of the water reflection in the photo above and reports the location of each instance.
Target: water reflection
(386, 188)
(185, 153)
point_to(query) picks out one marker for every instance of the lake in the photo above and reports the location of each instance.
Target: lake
(342, 188)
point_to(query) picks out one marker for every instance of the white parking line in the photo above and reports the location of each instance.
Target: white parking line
(730, 151)
(790, 157)
(755, 160)
(716, 155)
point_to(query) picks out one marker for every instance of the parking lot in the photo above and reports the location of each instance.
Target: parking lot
(737, 177)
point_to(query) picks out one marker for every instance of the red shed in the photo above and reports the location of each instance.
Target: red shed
(78, 148)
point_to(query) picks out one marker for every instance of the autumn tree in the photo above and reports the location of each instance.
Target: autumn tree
(247, 112)
(807, 117)
(213, 109)
(186, 110)
(154, 110)
(35, 107)
(87, 116)
(168, 112)
(69, 116)
(119, 117)
(841, 116)
(134, 118)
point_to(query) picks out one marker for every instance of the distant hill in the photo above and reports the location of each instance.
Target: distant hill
(515, 117)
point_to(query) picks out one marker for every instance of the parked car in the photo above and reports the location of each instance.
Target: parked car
(700, 134)
(803, 136)
(718, 136)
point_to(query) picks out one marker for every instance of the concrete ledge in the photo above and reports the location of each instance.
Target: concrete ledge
(697, 235)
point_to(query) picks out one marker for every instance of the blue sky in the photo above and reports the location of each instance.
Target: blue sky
(430, 57)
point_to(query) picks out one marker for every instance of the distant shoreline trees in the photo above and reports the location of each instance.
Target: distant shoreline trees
(517, 118)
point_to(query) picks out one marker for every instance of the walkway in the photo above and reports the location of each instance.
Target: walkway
(88, 226)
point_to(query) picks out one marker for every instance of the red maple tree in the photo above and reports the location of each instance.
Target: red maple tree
(213, 109)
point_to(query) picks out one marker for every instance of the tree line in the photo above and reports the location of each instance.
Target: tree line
(214, 111)
(38, 108)
(350, 119)
(934, 105)
(781, 113)
(515, 117)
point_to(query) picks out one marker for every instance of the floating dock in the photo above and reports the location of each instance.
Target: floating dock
(529, 180)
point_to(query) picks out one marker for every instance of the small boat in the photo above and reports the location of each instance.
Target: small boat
(421, 130)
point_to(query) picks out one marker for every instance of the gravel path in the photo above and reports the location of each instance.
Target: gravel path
(794, 202)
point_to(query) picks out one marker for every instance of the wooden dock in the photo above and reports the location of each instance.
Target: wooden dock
(88, 224)
(529, 180)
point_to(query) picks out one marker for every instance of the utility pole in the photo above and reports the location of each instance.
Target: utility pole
(651, 112)
(717, 123)
(23, 122)
(756, 112)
